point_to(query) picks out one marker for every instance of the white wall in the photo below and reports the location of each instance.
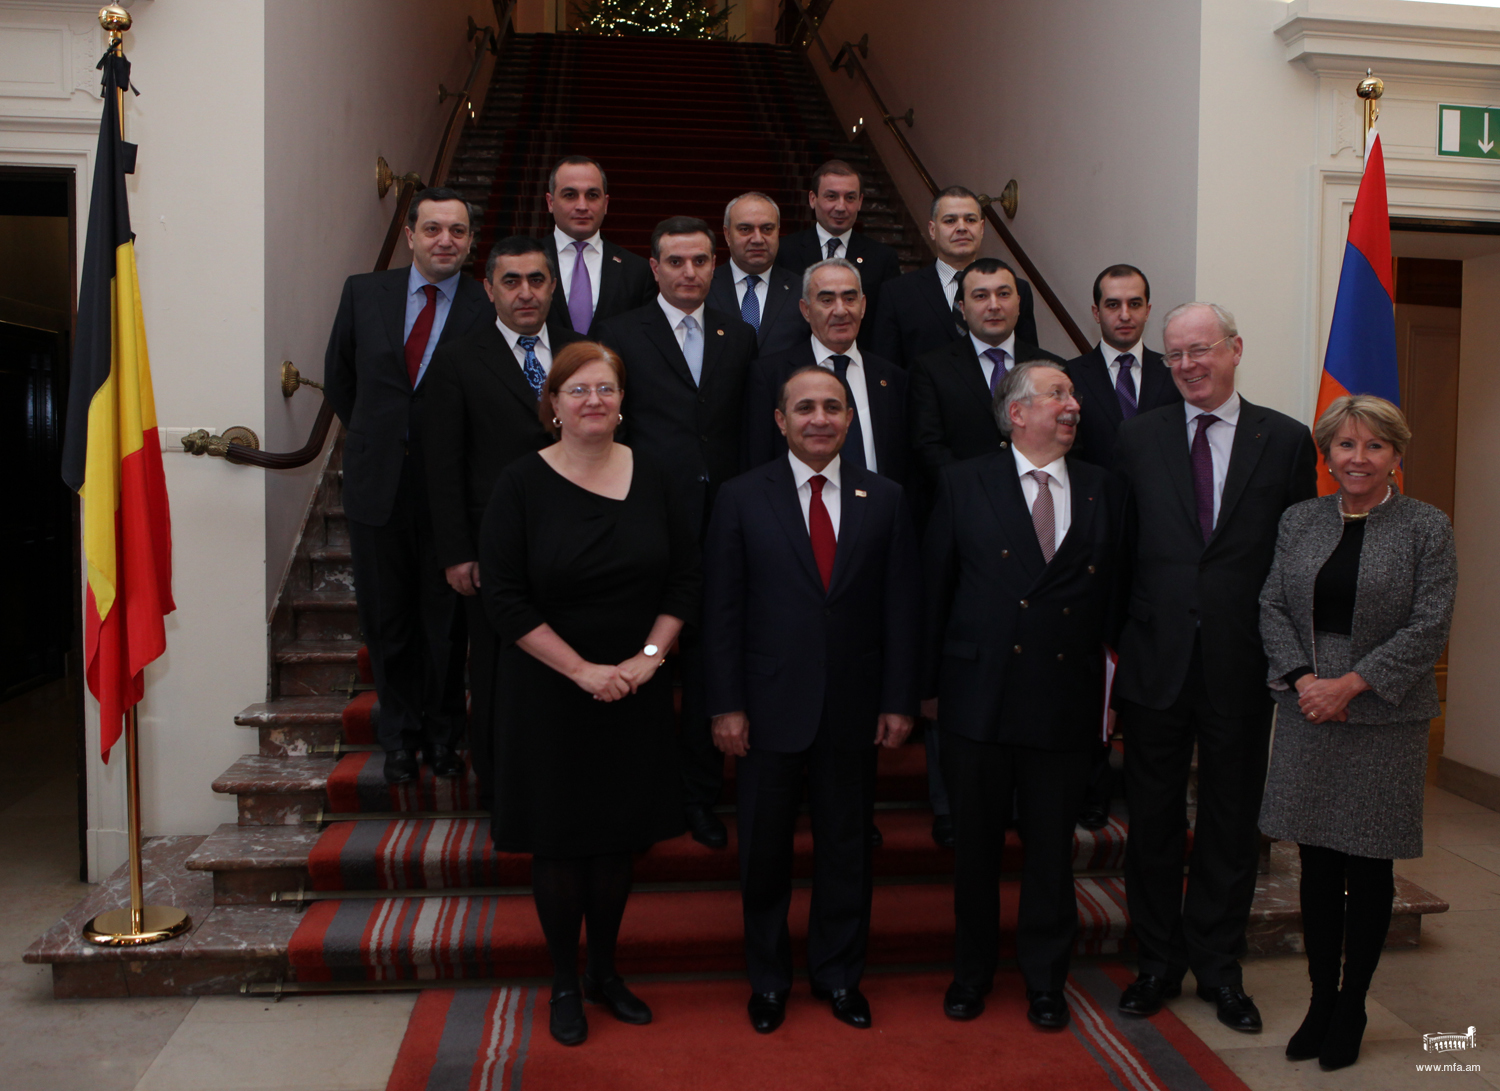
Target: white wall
(344, 82)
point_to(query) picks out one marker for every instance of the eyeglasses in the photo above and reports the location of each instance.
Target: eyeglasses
(1056, 394)
(604, 390)
(1195, 353)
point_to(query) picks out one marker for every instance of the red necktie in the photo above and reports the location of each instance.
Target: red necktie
(824, 544)
(421, 330)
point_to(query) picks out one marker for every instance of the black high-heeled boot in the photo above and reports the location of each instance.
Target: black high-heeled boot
(1346, 1031)
(1321, 893)
(1307, 1043)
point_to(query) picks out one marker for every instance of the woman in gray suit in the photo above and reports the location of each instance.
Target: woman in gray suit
(1354, 615)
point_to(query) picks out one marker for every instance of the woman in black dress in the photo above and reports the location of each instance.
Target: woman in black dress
(588, 568)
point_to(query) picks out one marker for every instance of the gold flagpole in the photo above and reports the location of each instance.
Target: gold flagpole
(141, 923)
(1370, 89)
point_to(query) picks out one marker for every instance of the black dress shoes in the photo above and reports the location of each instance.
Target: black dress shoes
(567, 1023)
(849, 1005)
(1048, 1008)
(444, 760)
(942, 830)
(400, 766)
(767, 1010)
(963, 1003)
(1236, 1010)
(1093, 816)
(876, 837)
(1146, 994)
(706, 828)
(619, 1001)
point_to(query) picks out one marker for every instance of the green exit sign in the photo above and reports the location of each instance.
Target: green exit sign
(1469, 132)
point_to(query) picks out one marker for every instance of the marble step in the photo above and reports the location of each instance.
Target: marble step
(325, 615)
(307, 668)
(290, 726)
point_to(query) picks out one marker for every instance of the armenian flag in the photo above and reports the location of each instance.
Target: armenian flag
(1361, 356)
(111, 453)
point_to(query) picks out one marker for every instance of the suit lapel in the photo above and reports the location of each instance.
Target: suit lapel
(1095, 372)
(395, 311)
(494, 354)
(1171, 434)
(1154, 381)
(852, 508)
(971, 372)
(1244, 454)
(721, 292)
(1002, 487)
(778, 295)
(932, 291)
(713, 349)
(464, 310)
(611, 277)
(781, 491)
(660, 334)
(1084, 502)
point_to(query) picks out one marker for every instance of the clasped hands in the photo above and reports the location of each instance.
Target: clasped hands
(731, 732)
(1325, 700)
(610, 683)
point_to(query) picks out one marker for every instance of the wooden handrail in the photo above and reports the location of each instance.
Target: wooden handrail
(488, 38)
(848, 58)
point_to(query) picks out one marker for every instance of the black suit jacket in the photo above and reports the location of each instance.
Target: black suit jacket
(1016, 643)
(878, 265)
(1182, 589)
(951, 414)
(625, 284)
(917, 317)
(478, 415)
(778, 647)
(365, 380)
(1101, 417)
(693, 431)
(781, 323)
(885, 386)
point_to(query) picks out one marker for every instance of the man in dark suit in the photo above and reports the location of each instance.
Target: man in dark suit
(922, 312)
(685, 367)
(388, 325)
(478, 415)
(833, 306)
(750, 284)
(1121, 378)
(836, 197)
(1020, 557)
(1208, 482)
(610, 280)
(811, 613)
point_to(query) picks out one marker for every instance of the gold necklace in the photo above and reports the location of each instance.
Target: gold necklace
(1359, 516)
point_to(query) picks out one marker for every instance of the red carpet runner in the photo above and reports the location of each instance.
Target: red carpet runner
(494, 1039)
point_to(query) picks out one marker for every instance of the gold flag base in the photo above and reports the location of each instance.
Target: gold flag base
(115, 928)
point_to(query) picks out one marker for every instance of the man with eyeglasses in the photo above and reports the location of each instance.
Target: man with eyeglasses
(686, 364)
(1208, 482)
(478, 415)
(383, 338)
(1020, 558)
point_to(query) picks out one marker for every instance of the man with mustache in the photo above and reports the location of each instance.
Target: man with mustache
(750, 284)
(1020, 561)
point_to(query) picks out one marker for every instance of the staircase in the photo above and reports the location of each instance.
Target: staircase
(332, 879)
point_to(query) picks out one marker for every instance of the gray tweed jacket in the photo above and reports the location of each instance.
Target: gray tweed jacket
(1408, 572)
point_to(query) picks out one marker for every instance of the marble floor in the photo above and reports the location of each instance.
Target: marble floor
(349, 1043)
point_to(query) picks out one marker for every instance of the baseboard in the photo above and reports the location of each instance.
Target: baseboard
(1473, 784)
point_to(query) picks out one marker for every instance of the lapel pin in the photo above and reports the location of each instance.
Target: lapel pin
(617, 258)
(861, 261)
(882, 382)
(721, 333)
(859, 492)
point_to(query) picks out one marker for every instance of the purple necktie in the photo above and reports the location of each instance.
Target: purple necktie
(1125, 385)
(1203, 475)
(581, 292)
(1044, 515)
(996, 357)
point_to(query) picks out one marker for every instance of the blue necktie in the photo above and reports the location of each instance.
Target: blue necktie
(750, 305)
(997, 372)
(854, 442)
(692, 348)
(1125, 385)
(532, 366)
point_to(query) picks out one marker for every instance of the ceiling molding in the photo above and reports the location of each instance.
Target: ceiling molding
(1393, 37)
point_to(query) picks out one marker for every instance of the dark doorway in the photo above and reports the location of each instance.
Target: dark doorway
(41, 691)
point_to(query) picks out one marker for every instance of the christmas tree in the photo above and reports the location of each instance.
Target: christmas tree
(669, 18)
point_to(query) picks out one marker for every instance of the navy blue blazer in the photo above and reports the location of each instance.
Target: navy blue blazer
(796, 659)
(916, 317)
(781, 323)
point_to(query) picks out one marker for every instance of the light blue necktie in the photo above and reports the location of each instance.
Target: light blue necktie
(692, 348)
(532, 366)
(750, 305)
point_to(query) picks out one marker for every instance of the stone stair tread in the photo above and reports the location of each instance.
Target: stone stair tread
(320, 709)
(331, 553)
(322, 600)
(233, 847)
(318, 651)
(254, 773)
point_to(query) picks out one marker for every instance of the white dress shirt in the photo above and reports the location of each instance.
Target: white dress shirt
(542, 350)
(1112, 362)
(1220, 440)
(1062, 498)
(593, 261)
(738, 275)
(947, 276)
(802, 473)
(822, 356)
(416, 300)
(675, 317)
(824, 236)
(980, 348)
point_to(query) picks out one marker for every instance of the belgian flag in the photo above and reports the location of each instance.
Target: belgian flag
(111, 453)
